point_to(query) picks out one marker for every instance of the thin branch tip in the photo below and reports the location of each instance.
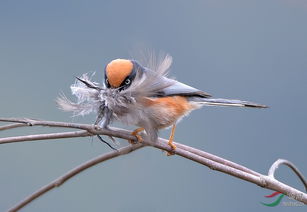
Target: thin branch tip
(279, 162)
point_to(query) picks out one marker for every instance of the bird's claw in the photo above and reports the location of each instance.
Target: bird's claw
(136, 134)
(173, 146)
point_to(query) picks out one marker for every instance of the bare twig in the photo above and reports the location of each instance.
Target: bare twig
(44, 136)
(59, 181)
(207, 159)
(261, 180)
(94, 130)
(12, 126)
(35, 122)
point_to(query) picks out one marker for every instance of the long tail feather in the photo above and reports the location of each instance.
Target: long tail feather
(227, 102)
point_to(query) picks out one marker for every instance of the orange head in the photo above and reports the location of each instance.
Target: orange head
(119, 73)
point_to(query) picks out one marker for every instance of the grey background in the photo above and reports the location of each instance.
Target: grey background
(252, 50)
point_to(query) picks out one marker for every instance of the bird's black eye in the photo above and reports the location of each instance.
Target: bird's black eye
(127, 81)
(107, 83)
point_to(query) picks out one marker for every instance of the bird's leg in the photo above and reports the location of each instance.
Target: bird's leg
(135, 133)
(170, 141)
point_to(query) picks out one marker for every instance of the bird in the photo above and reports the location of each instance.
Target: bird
(142, 95)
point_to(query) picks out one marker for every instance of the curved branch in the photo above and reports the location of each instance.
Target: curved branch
(275, 166)
(59, 181)
(261, 180)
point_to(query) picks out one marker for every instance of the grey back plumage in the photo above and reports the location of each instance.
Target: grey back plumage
(181, 89)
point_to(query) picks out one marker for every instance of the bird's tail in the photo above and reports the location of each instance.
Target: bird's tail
(226, 102)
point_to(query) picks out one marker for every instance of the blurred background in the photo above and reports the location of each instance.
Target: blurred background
(252, 50)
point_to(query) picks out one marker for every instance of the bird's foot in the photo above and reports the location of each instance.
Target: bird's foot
(136, 134)
(173, 146)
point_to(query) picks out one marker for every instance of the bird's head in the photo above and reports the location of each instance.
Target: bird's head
(120, 73)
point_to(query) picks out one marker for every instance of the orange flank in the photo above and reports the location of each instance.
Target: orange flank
(117, 71)
(177, 105)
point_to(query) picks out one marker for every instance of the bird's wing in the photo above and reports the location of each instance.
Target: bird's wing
(152, 80)
(180, 89)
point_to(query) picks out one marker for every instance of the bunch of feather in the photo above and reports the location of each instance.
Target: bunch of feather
(88, 97)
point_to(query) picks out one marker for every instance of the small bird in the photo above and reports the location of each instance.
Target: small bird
(141, 95)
